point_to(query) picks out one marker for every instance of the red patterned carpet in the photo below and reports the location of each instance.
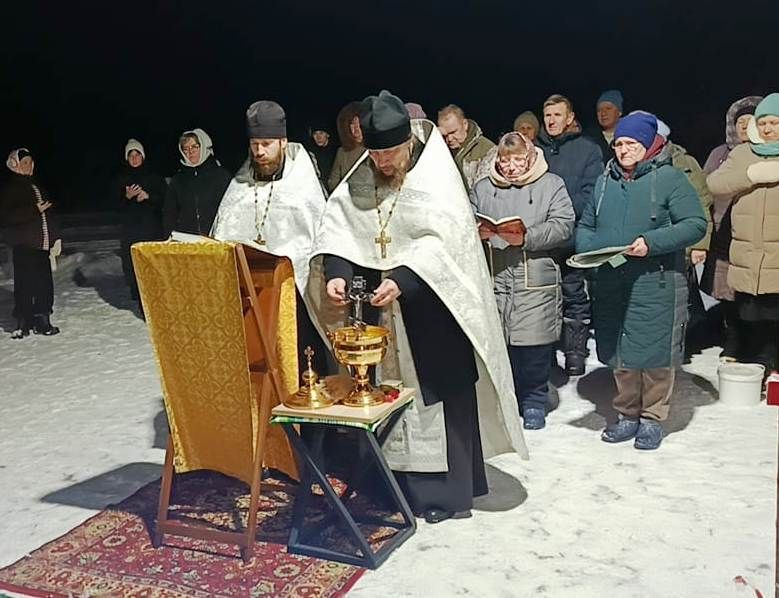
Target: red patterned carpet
(111, 554)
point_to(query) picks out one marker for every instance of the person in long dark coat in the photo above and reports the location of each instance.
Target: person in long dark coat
(32, 232)
(140, 193)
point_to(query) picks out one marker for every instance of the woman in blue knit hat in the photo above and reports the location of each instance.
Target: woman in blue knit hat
(640, 305)
(750, 174)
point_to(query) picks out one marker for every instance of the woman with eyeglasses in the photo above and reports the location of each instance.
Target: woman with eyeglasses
(196, 190)
(640, 305)
(526, 276)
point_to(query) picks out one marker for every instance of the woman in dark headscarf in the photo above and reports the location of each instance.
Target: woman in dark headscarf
(33, 234)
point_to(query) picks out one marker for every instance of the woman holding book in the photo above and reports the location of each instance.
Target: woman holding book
(640, 302)
(524, 212)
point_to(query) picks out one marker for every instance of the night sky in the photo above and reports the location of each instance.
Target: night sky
(79, 78)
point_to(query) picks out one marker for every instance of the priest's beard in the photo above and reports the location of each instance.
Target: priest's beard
(394, 180)
(267, 170)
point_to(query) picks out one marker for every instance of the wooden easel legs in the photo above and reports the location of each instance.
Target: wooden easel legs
(164, 525)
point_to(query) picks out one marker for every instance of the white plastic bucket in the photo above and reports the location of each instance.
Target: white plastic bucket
(740, 384)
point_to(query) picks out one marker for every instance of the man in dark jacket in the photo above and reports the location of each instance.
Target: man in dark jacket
(609, 108)
(196, 190)
(322, 148)
(579, 162)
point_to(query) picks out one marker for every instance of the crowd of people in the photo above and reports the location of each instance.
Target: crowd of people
(432, 214)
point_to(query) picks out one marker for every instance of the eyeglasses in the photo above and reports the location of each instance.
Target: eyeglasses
(517, 161)
(190, 148)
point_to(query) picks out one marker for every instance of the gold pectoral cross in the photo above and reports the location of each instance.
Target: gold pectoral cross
(383, 239)
(260, 240)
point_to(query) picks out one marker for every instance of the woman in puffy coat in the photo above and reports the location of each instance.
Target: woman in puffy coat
(640, 306)
(750, 175)
(33, 234)
(714, 281)
(527, 279)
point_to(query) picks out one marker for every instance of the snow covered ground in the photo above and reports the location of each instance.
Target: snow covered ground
(81, 426)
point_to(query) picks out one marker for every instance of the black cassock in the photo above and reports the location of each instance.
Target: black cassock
(446, 370)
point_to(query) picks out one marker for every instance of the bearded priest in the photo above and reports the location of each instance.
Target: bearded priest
(275, 201)
(401, 219)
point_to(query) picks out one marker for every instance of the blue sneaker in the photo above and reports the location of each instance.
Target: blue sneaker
(649, 435)
(534, 418)
(623, 429)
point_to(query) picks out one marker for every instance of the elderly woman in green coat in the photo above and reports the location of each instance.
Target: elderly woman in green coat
(640, 305)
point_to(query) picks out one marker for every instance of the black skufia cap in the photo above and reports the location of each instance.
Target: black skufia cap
(384, 121)
(266, 120)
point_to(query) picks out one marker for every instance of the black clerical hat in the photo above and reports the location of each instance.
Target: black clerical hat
(266, 120)
(384, 121)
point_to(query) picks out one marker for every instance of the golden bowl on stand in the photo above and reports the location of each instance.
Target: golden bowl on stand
(358, 348)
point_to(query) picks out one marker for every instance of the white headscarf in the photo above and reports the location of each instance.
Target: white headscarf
(134, 145)
(206, 147)
(13, 160)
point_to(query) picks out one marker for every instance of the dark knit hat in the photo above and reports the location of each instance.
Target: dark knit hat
(640, 126)
(384, 121)
(612, 96)
(266, 120)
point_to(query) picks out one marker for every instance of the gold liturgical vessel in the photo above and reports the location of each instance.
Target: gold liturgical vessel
(313, 393)
(358, 347)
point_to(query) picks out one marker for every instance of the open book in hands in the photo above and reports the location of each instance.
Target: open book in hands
(510, 229)
(593, 259)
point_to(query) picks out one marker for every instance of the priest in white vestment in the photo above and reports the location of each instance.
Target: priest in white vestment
(402, 220)
(275, 201)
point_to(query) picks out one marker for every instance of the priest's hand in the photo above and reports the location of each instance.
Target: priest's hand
(336, 290)
(386, 293)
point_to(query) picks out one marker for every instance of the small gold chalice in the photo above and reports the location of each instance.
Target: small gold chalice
(358, 347)
(313, 393)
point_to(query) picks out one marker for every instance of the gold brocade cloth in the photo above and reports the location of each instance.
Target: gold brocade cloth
(204, 339)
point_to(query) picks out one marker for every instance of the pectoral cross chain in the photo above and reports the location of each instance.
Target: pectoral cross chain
(383, 239)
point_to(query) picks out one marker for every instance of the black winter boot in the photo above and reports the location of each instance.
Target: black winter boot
(43, 326)
(22, 329)
(732, 342)
(574, 340)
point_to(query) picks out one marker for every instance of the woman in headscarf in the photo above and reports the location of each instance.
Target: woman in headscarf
(640, 305)
(527, 123)
(714, 281)
(196, 190)
(140, 193)
(33, 234)
(750, 174)
(350, 134)
(526, 277)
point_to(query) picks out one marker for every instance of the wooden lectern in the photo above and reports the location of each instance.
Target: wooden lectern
(221, 318)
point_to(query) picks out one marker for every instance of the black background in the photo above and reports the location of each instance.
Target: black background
(79, 78)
